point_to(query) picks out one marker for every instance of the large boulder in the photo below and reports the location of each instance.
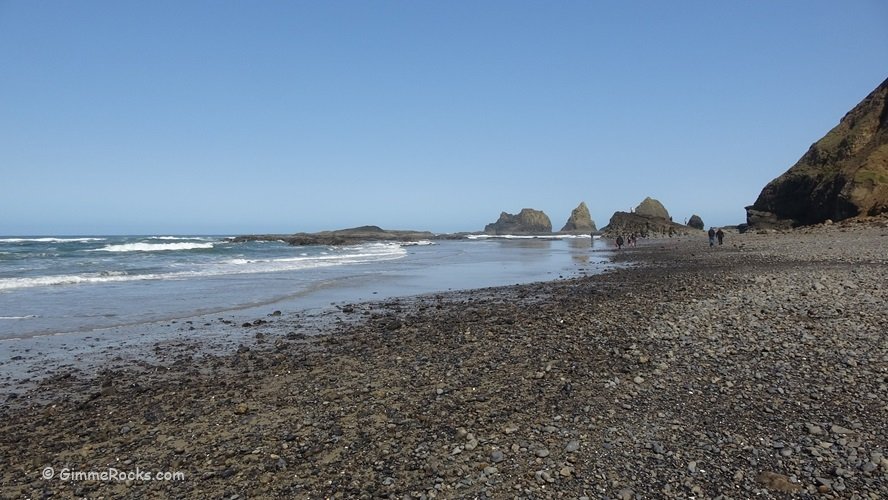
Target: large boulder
(844, 174)
(650, 207)
(696, 222)
(580, 221)
(528, 221)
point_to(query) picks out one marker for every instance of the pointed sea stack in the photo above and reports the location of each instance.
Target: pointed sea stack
(580, 221)
(843, 175)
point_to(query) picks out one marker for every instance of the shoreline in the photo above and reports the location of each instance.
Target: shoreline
(688, 373)
(85, 352)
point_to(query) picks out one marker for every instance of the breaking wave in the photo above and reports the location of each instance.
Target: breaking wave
(49, 240)
(373, 252)
(154, 247)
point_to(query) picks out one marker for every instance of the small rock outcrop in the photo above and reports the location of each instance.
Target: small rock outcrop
(843, 175)
(696, 222)
(528, 221)
(580, 221)
(351, 236)
(650, 207)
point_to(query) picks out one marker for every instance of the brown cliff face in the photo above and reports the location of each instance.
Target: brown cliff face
(843, 175)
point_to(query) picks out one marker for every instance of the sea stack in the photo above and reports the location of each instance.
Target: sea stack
(650, 218)
(528, 221)
(650, 207)
(579, 221)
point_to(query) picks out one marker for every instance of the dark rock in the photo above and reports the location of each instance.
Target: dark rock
(342, 236)
(696, 222)
(643, 226)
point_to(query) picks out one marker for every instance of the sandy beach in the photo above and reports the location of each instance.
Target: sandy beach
(758, 368)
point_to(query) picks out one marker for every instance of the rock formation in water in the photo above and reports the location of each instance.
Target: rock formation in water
(650, 207)
(843, 175)
(528, 221)
(342, 236)
(696, 222)
(580, 221)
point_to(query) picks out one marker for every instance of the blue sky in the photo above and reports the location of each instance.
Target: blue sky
(220, 117)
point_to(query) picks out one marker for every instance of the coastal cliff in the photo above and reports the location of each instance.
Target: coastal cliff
(843, 175)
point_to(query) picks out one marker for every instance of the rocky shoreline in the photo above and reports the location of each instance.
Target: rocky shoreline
(755, 369)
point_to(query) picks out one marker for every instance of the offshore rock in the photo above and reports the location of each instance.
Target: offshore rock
(528, 221)
(342, 236)
(843, 175)
(580, 221)
(696, 222)
(650, 207)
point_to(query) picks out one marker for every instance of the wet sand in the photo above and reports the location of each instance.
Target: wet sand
(754, 369)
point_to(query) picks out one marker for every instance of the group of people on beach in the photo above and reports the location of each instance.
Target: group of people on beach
(713, 234)
(630, 240)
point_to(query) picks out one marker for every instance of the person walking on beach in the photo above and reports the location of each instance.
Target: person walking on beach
(711, 237)
(720, 235)
(620, 241)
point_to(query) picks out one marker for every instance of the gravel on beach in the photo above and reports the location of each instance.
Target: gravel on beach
(758, 368)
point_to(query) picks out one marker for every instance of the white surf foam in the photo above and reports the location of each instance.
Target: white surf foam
(181, 238)
(30, 316)
(7, 284)
(373, 252)
(153, 247)
(49, 240)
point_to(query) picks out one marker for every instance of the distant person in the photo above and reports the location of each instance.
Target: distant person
(711, 236)
(720, 235)
(620, 241)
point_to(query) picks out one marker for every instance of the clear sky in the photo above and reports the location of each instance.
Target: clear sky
(222, 117)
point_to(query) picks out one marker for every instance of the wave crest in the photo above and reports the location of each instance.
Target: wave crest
(154, 247)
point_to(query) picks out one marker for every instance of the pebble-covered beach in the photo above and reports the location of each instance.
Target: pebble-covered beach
(755, 369)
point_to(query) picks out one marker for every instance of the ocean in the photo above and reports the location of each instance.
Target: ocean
(55, 285)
